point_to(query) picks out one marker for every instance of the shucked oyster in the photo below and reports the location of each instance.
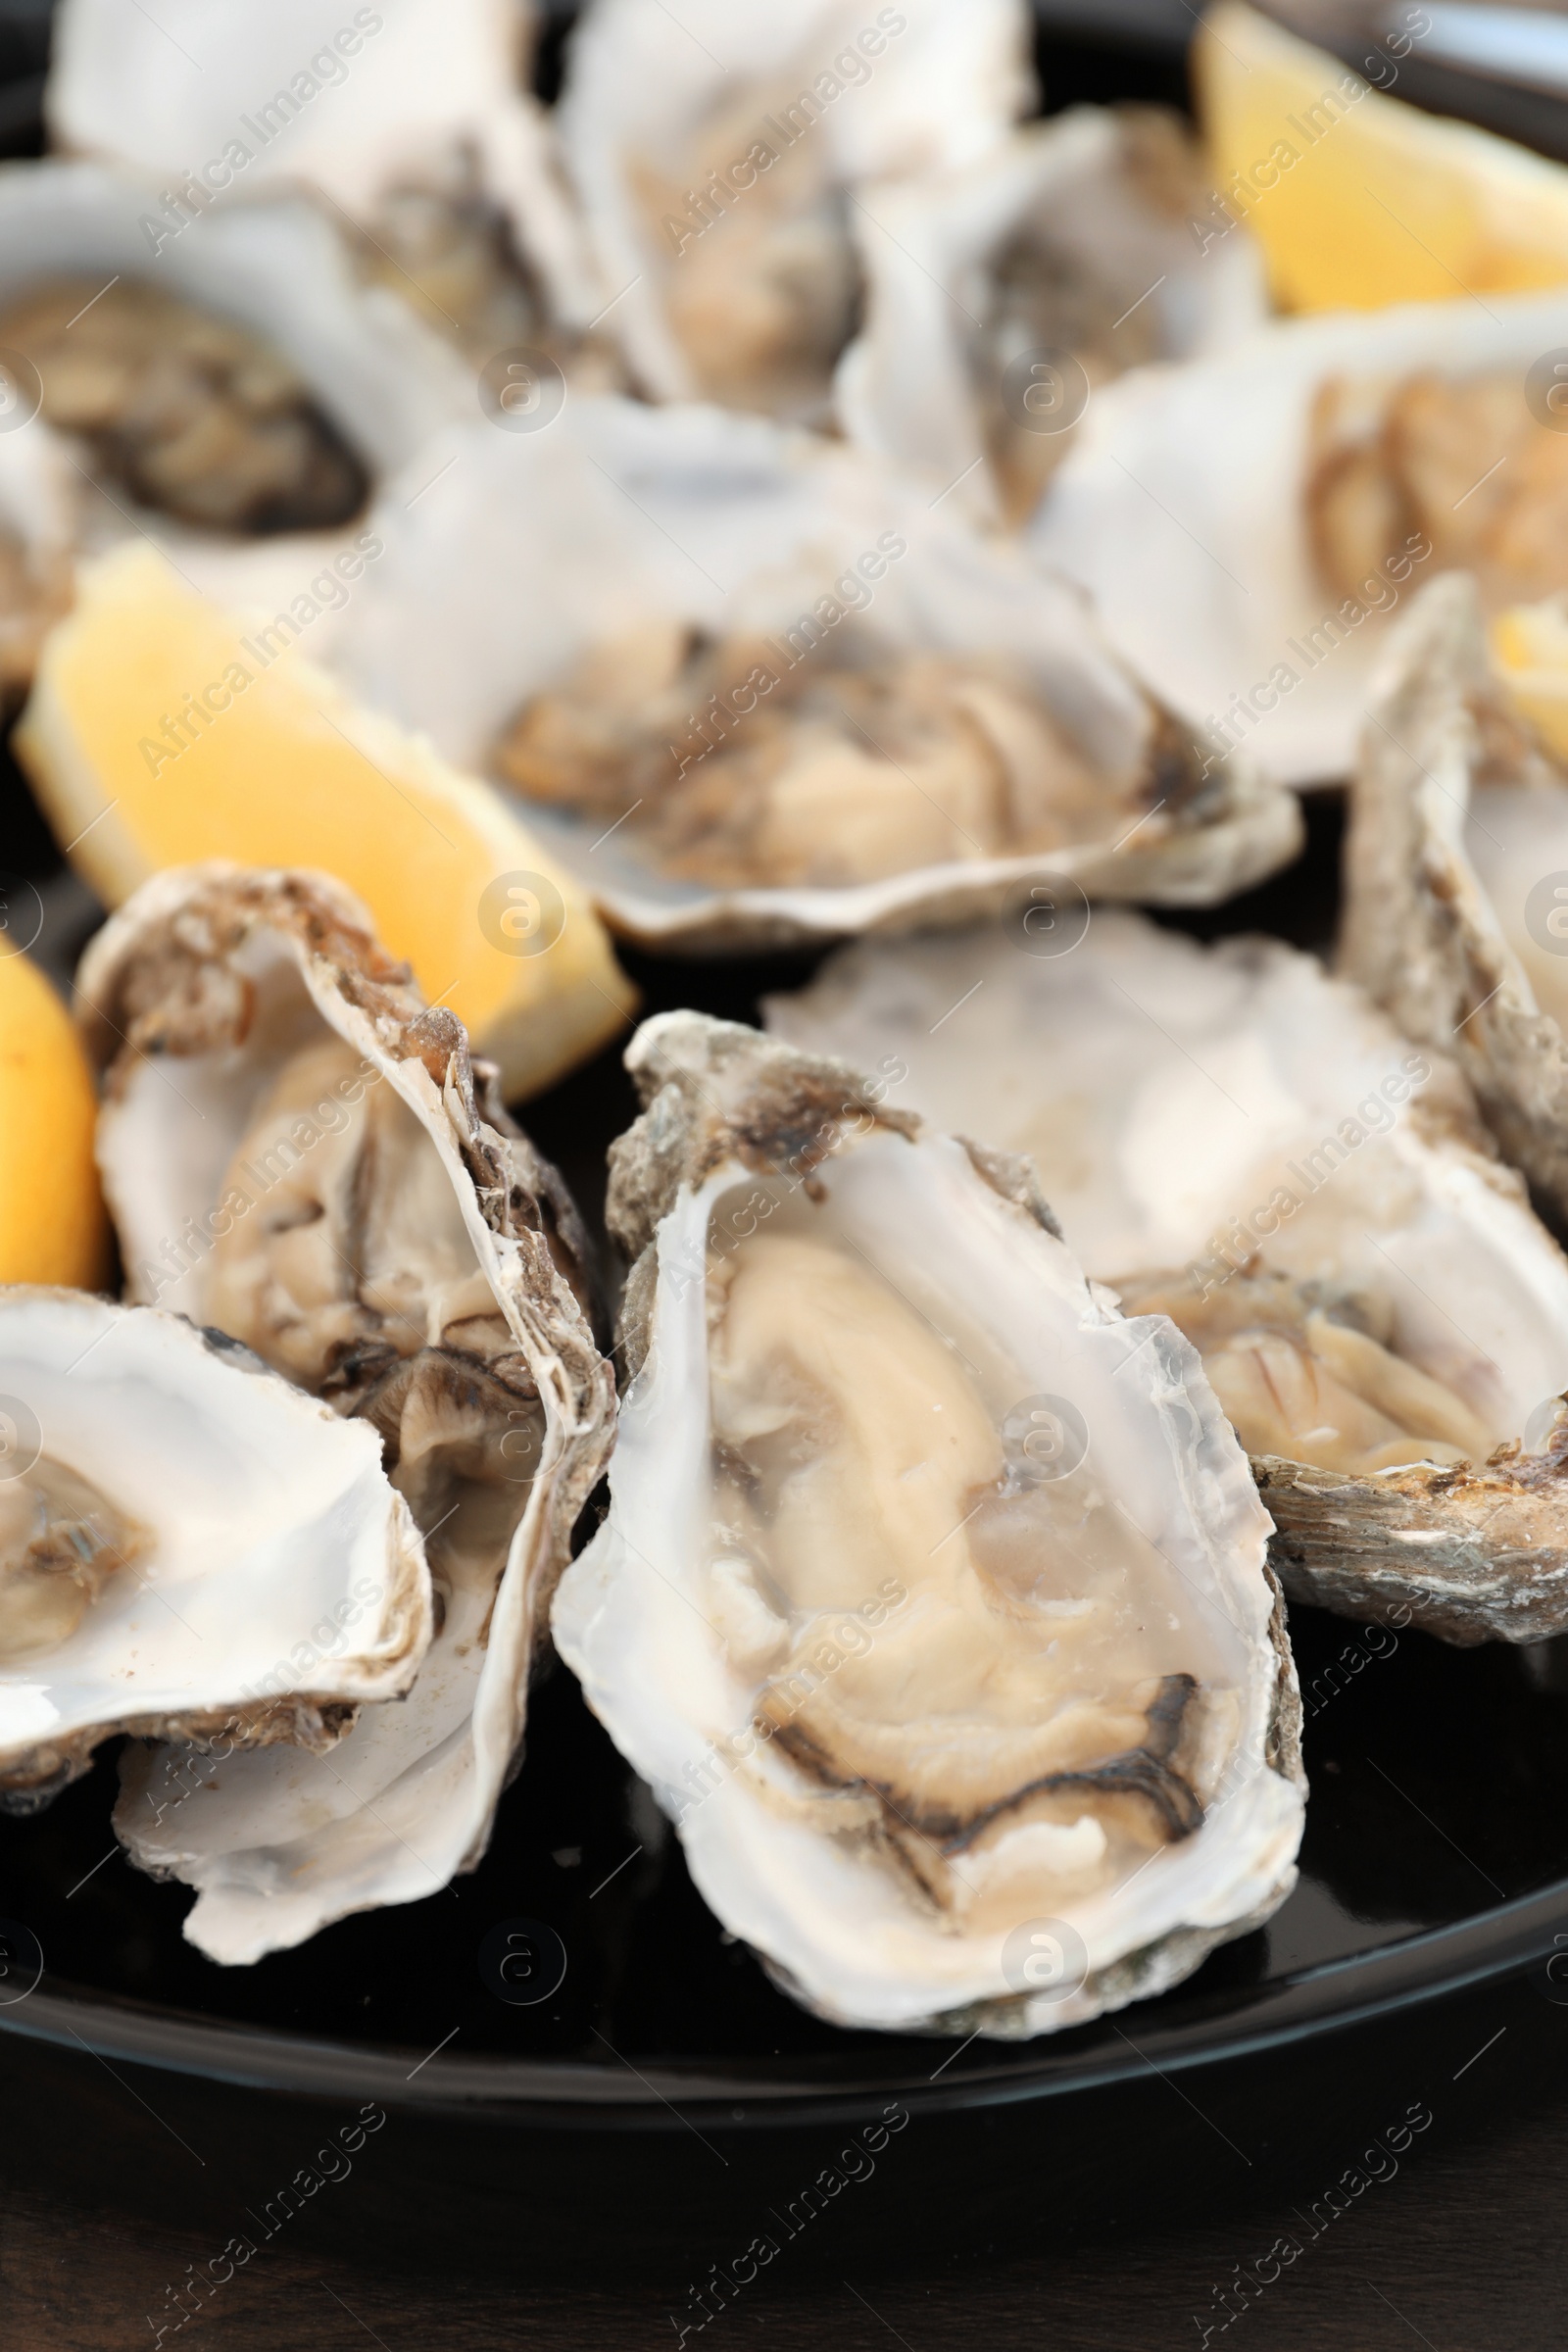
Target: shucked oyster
(931, 1599)
(1002, 295)
(1236, 1141)
(943, 703)
(189, 1546)
(1247, 522)
(413, 124)
(224, 374)
(297, 1151)
(722, 160)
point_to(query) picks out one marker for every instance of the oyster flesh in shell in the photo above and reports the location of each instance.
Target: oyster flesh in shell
(184, 412)
(297, 1151)
(1246, 522)
(228, 392)
(413, 124)
(1235, 1140)
(1068, 245)
(762, 692)
(720, 161)
(189, 1548)
(932, 1598)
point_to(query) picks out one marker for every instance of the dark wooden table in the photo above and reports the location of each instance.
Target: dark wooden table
(1115, 2219)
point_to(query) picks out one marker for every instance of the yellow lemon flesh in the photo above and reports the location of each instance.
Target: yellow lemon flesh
(158, 733)
(51, 1224)
(1356, 198)
(1529, 650)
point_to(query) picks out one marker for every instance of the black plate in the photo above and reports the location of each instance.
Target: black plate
(1435, 1854)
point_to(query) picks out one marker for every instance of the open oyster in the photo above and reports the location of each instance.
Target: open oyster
(1068, 245)
(759, 691)
(931, 1599)
(189, 1548)
(1285, 498)
(1420, 932)
(300, 1152)
(413, 124)
(1236, 1141)
(721, 159)
(228, 384)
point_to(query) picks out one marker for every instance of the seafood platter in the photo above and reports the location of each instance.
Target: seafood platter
(783, 1053)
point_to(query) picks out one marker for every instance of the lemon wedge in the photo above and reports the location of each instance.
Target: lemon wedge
(51, 1224)
(158, 732)
(1529, 652)
(1356, 198)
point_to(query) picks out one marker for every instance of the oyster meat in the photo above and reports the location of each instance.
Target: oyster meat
(842, 776)
(1389, 464)
(1236, 1141)
(220, 385)
(183, 411)
(298, 1151)
(189, 1546)
(931, 1599)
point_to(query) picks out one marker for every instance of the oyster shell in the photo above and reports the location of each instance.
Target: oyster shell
(1420, 932)
(1069, 242)
(415, 125)
(1234, 484)
(1235, 1140)
(189, 1546)
(297, 1150)
(238, 379)
(721, 158)
(919, 1690)
(677, 538)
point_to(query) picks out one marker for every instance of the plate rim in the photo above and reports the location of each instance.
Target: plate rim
(1329, 1996)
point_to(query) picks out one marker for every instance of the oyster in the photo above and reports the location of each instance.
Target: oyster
(189, 1548)
(1420, 931)
(413, 126)
(1237, 1141)
(297, 1150)
(229, 382)
(1274, 534)
(928, 1664)
(897, 719)
(721, 159)
(1068, 244)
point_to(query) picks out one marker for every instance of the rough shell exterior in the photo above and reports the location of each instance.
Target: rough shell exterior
(1418, 931)
(157, 980)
